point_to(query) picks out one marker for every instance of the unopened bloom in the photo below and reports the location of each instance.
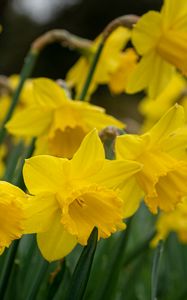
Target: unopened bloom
(71, 197)
(162, 152)
(161, 40)
(12, 213)
(174, 221)
(59, 123)
(107, 65)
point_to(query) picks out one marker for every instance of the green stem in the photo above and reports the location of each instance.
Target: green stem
(12, 161)
(25, 73)
(7, 268)
(37, 280)
(82, 270)
(112, 280)
(95, 60)
(155, 270)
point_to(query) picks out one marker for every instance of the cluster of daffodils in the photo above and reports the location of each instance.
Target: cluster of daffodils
(71, 187)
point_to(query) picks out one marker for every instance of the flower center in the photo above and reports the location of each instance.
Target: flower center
(89, 207)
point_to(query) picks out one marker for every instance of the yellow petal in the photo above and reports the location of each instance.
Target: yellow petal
(174, 14)
(119, 79)
(146, 32)
(11, 213)
(130, 146)
(47, 93)
(45, 173)
(132, 196)
(176, 143)
(30, 122)
(172, 120)
(173, 47)
(115, 173)
(89, 157)
(101, 120)
(56, 243)
(140, 77)
(40, 213)
(147, 75)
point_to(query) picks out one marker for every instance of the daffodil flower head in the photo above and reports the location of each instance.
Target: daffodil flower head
(12, 213)
(174, 221)
(161, 40)
(59, 123)
(71, 197)
(107, 65)
(162, 152)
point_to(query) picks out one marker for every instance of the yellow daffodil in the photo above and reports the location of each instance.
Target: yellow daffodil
(12, 213)
(162, 152)
(175, 221)
(71, 197)
(118, 80)
(153, 109)
(108, 63)
(59, 123)
(161, 40)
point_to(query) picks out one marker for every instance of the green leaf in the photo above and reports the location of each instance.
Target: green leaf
(82, 270)
(155, 270)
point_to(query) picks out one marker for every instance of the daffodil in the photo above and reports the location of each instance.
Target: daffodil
(58, 123)
(107, 65)
(153, 109)
(162, 152)
(118, 80)
(71, 197)
(161, 39)
(174, 221)
(12, 213)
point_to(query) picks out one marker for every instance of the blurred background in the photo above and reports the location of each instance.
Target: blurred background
(24, 20)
